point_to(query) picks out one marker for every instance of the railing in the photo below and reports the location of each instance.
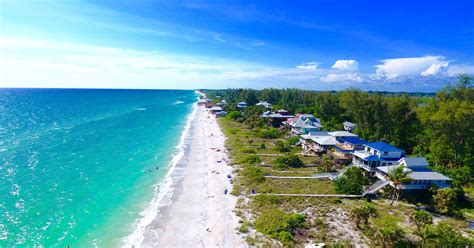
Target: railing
(344, 146)
(375, 187)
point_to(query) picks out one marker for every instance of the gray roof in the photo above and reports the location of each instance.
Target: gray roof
(349, 124)
(342, 134)
(216, 108)
(414, 161)
(427, 175)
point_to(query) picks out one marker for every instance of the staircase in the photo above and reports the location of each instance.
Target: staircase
(341, 172)
(375, 187)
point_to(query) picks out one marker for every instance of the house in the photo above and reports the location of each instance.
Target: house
(345, 147)
(321, 141)
(221, 114)
(241, 105)
(275, 119)
(349, 126)
(215, 109)
(376, 154)
(264, 104)
(304, 124)
(421, 176)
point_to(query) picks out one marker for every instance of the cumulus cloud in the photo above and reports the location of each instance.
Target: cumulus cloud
(348, 65)
(308, 66)
(423, 66)
(342, 78)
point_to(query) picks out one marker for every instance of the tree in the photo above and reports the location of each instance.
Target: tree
(422, 221)
(289, 160)
(444, 235)
(387, 232)
(363, 213)
(398, 177)
(352, 181)
(327, 164)
(445, 200)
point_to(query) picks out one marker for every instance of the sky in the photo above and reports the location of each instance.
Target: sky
(319, 45)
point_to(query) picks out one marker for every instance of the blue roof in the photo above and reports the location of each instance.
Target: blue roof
(372, 158)
(354, 140)
(383, 147)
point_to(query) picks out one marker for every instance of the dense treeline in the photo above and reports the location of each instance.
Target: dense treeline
(440, 127)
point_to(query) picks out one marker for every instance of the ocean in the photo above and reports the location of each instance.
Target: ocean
(79, 167)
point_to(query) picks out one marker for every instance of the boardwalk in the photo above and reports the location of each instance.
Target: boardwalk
(313, 195)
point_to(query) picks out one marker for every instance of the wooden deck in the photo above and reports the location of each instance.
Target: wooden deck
(312, 195)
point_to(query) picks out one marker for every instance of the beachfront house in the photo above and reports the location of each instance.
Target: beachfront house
(304, 124)
(276, 119)
(221, 114)
(416, 168)
(376, 154)
(345, 147)
(215, 109)
(222, 103)
(321, 141)
(241, 105)
(264, 104)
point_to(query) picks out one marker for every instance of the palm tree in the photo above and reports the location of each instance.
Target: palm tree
(423, 222)
(398, 177)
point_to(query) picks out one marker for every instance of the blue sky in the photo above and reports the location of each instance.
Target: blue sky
(321, 45)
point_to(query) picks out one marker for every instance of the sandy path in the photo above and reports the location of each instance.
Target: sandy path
(201, 215)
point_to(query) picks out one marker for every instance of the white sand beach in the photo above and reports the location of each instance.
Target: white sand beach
(200, 215)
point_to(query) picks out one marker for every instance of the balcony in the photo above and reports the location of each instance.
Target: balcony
(345, 147)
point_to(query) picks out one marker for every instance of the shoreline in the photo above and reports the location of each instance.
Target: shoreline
(164, 190)
(194, 211)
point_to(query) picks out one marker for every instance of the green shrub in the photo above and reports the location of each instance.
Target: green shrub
(234, 115)
(253, 174)
(289, 160)
(279, 225)
(445, 201)
(282, 147)
(271, 133)
(249, 159)
(351, 182)
(249, 150)
(293, 140)
(262, 146)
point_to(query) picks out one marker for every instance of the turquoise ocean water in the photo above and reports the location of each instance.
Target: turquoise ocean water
(78, 166)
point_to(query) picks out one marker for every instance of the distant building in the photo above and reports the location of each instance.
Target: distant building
(321, 141)
(221, 114)
(276, 119)
(349, 126)
(264, 104)
(304, 124)
(345, 147)
(241, 105)
(215, 109)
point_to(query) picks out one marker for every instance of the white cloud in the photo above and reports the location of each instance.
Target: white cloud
(308, 66)
(342, 78)
(348, 65)
(434, 69)
(455, 70)
(424, 66)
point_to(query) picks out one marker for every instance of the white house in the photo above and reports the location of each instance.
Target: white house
(376, 154)
(264, 104)
(241, 105)
(416, 168)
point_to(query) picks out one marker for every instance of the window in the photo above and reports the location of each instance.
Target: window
(385, 153)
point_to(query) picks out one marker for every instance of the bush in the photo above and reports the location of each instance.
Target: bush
(271, 133)
(444, 235)
(289, 160)
(234, 115)
(352, 181)
(293, 140)
(279, 225)
(250, 159)
(445, 200)
(249, 150)
(282, 147)
(253, 174)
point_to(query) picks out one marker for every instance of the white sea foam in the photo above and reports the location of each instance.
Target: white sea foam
(178, 102)
(163, 190)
